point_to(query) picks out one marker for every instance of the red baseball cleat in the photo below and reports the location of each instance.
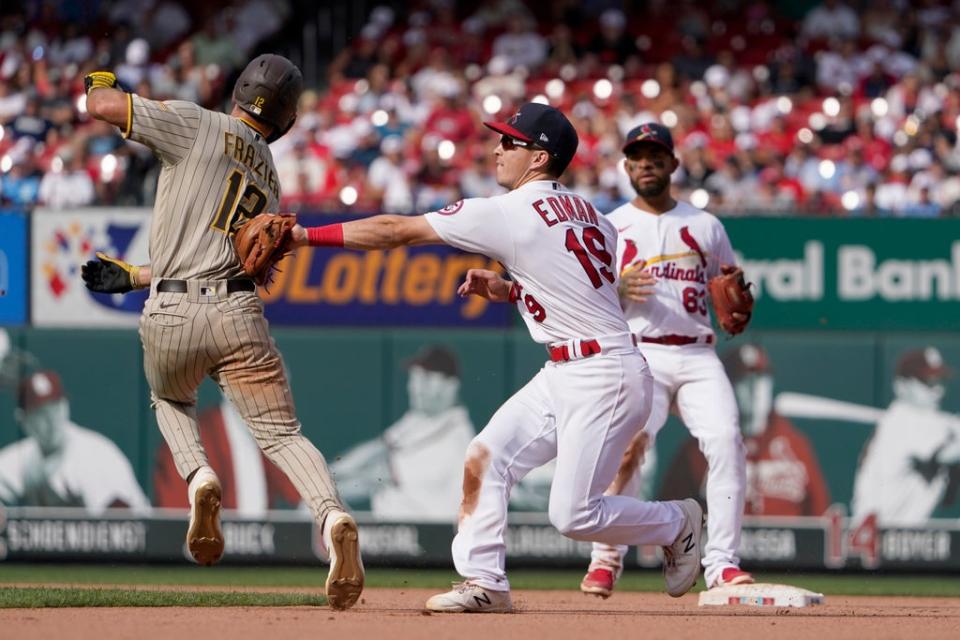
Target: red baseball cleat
(733, 575)
(598, 582)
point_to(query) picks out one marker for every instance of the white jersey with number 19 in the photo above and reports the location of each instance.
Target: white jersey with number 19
(559, 253)
(583, 407)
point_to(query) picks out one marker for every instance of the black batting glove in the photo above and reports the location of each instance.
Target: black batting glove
(109, 275)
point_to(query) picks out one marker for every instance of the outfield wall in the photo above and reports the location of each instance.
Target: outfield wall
(353, 396)
(842, 305)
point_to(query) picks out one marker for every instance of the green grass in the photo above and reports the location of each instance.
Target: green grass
(165, 575)
(314, 577)
(35, 597)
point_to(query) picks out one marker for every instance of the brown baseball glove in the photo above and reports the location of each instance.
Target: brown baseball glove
(263, 242)
(731, 298)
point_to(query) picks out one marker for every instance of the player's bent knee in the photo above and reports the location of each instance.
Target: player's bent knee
(573, 521)
(169, 398)
(476, 461)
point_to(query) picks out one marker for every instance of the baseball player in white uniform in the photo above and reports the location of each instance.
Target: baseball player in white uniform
(667, 252)
(586, 405)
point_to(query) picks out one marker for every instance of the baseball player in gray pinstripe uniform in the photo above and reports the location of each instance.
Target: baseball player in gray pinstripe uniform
(203, 317)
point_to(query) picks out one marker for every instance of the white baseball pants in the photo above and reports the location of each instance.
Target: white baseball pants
(583, 413)
(692, 379)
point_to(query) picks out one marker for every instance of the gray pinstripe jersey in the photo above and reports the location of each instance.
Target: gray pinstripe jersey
(216, 172)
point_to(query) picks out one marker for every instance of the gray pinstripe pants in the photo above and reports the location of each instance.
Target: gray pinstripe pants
(205, 331)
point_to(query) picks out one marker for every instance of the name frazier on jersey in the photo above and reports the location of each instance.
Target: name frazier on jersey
(247, 154)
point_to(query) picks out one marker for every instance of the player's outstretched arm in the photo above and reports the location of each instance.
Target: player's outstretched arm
(105, 101)
(378, 232)
(486, 284)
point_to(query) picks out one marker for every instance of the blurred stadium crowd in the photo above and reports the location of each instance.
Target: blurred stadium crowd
(829, 108)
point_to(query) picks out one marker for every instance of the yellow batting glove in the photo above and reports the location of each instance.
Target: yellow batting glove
(99, 80)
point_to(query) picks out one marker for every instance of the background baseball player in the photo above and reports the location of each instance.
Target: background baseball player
(412, 471)
(667, 252)
(202, 317)
(60, 463)
(584, 407)
(911, 464)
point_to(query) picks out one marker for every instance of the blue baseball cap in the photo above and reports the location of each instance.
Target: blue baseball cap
(543, 126)
(652, 132)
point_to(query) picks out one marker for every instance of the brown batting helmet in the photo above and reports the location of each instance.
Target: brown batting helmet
(269, 89)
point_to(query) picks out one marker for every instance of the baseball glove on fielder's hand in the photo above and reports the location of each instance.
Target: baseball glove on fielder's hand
(262, 242)
(731, 298)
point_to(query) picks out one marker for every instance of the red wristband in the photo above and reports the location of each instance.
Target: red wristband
(330, 235)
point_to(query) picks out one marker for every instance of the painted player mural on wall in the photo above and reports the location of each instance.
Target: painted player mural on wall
(60, 463)
(414, 470)
(910, 466)
(783, 474)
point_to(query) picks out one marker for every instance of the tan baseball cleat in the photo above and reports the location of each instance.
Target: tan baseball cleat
(345, 579)
(204, 536)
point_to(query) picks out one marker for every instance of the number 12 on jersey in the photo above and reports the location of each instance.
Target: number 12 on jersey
(249, 205)
(596, 247)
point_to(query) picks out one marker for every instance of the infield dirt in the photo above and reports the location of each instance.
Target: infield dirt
(397, 614)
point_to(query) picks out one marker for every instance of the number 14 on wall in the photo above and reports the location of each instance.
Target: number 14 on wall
(840, 543)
